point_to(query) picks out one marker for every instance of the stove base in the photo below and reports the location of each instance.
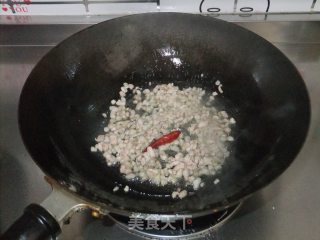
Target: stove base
(185, 227)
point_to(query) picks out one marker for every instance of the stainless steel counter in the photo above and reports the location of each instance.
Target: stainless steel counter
(288, 209)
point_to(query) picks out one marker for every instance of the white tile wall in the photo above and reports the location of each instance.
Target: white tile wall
(290, 5)
(252, 6)
(223, 6)
(179, 5)
(20, 8)
(48, 9)
(47, 1)
(192, 6)
(121, 8)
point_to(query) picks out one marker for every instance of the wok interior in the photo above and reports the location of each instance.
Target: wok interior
(63, 100)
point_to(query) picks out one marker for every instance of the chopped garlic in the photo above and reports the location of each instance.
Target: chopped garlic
(183, 194)
(232, 121)
(126, 189)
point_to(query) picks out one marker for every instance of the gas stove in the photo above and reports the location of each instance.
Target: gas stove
(186, 227)
(286, 209)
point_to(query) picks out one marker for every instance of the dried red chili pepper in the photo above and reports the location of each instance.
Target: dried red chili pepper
(165, 139)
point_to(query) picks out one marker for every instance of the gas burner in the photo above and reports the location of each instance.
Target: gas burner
(182, 227)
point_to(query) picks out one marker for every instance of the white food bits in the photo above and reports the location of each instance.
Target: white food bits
(220, 88)
(200, 149)
(232, 121)
(113, 139)
(126, 189)
(217, 82)
(227, 130)
(124, 88)
(150, 152)
(174, 194)
(175, 148)
(216, 181)
(130, 176)
(100, 138)
(104, 115)
(183, 194)
(120, 103)
(230, 138)
(146, 91)
(93, 149)
(185, 173)
(203, 124)
(196, 183)
(116, 188)
(223, 138)
(163, 156)
(223, 114)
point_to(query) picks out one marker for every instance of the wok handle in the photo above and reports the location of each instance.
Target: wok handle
(43, 221)
(36, 223)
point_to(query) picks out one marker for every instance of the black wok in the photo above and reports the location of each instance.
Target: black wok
(65, 95)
